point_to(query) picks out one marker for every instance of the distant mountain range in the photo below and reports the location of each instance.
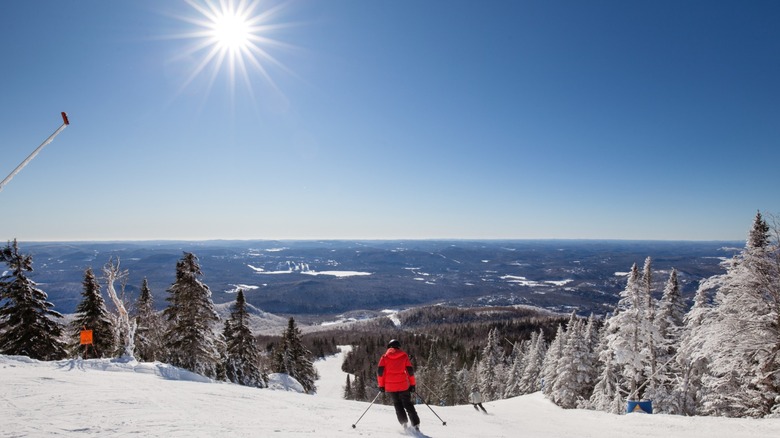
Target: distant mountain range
(329, 278)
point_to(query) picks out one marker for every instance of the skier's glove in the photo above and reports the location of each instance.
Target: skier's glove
(411, 388)
(381, 389)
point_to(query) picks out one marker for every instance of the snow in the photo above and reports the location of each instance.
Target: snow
(112, 398)
(283, 382)
(558, 282)
(331, 383)
(244, 287)
(304, 269)
(393, 316)
(340, 274)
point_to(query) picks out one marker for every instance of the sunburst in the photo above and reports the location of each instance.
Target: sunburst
(232, 38)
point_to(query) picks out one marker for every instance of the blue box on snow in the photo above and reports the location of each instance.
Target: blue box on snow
(641, 406)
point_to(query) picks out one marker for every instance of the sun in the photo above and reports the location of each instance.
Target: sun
(232, 38)
(231, 31)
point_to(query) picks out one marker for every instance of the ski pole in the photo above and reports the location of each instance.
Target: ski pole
(7, 179)
(364, 412)
(443, 423)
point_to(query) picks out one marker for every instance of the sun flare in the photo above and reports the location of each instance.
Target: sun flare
(231, 31)
(232, 38)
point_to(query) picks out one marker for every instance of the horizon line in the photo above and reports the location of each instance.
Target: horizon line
(416, 239)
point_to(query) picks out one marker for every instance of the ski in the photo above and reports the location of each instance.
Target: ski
(414, 431)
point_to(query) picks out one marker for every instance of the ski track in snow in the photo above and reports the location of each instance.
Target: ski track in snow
(98, 398)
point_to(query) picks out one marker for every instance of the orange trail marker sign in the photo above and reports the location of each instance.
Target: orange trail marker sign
(86, 337)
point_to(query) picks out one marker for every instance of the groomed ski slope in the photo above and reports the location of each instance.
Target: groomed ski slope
(105, 398)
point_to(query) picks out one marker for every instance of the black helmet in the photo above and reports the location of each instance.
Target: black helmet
(394, 344)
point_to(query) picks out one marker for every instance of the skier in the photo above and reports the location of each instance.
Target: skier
(475, 398)
(395, 375)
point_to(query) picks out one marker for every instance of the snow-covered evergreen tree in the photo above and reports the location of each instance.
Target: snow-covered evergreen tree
(591, 360)
(573, 382)
(650, 336)
(291, 357)
(191, 340)
(627, 335)
(449, 389)
(692, 359)
(531, 380)
(27, 319)
(491, 368)
(514, 375)
(743, 334)
(242, 358)
(549, 371)
(432, 374)
(464, 380)
(671, 315)
(607, 393)
(473, 376)
(150, 328)
(359, 388)
(348, 390)
(91, 314)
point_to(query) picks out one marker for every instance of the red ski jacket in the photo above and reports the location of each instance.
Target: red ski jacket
(395, 372)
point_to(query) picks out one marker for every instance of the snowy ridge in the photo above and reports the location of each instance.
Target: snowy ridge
(259, 320)
(55, 399)
(158, 369)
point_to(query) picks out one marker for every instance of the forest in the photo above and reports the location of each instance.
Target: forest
(719, 355)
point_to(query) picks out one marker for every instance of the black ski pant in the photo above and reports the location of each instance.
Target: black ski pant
(403, 405)
(480, 407)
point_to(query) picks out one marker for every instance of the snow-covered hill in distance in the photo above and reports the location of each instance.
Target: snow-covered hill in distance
(99, 398)
(329, 278)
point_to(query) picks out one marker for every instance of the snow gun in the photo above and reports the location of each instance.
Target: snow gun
(65, 123)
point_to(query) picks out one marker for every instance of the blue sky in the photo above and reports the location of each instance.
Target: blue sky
(393, 119)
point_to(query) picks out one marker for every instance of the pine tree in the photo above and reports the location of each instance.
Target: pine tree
(572, 383)
(691, 357)
(432, 374)
(627, 337)
(520, 353)
(759, 237)
(531, 380)
(242, 364)
(606, 394)
(450, 385)
(743, 334)
(91, 314)
(591, 363)
(549, 371)
(464, 382)
(190, 340)
(360, 387)
(27, 320)
(148, 334)
(292, 358)
(671, 315)
(650, 336)
(491, 368)
(348, 390)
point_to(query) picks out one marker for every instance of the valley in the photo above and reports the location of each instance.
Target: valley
(328, 280)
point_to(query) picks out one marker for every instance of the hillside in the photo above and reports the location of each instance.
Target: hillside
(103, 398)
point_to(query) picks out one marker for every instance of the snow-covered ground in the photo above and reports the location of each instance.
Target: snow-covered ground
(108, 398)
